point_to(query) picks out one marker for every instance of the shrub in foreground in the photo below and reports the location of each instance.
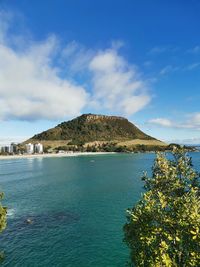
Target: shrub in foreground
(3, 213)
(163, 228)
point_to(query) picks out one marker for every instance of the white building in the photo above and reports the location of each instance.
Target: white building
(38, 148)
(13, 148)
(5, 149)
(29, 148)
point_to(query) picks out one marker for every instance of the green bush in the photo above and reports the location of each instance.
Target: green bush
(3, 212)
(163, 228)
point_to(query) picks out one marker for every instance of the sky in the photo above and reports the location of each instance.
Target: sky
(136, 58)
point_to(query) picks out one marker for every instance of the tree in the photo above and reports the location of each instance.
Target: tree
(163, 228)
(3, 212)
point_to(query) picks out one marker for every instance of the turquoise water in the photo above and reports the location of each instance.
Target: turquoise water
(77, 205)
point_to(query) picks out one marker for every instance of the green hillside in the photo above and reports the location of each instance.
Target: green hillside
(90, 127)
(91, 132)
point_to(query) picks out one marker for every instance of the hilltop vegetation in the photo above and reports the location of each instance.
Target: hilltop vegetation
(90, 132)
(88, 127)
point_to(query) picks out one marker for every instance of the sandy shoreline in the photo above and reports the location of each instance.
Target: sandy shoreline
(52, 155)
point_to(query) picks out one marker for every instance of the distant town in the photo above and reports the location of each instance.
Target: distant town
(29, 148)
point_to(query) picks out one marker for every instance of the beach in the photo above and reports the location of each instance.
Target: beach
(52, 155)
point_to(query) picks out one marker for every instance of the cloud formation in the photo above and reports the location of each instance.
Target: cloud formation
(192, 66)
(191, 141)
(172, 69)
(168, 69)
(37, 80)
(30, 86)
(161, 122)
(4, 141)
(192, 122)
(157, 50)
(116, 84)
(195, 50)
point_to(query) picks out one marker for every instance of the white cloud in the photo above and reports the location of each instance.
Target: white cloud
(148, 63)
(157, 50)
(188, 141)
(194, 120)
(37, 80)
(76, 57)
(30, 87)
(168, 69)
(171, 69)
(161, 122)
(195, 50)
(191, 122)
(117, 85)
(4, 141)
(193, 66)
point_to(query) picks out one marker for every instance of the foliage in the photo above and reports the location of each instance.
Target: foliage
(76, 143)
(83, 129)
(163, 228)
(64, 148)
(3, 213)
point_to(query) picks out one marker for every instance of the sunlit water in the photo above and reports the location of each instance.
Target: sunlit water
(76, 205)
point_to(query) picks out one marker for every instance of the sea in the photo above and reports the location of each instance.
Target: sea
(70, 211)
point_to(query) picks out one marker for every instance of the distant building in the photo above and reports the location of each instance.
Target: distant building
(13, 148)
(5, 149)
(38, 148)
(29, 148)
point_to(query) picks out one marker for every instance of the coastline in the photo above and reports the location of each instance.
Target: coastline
(54, 155)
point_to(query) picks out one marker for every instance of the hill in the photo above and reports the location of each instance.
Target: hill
(95, 131)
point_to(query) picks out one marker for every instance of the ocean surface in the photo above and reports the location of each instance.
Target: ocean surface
(77, 207)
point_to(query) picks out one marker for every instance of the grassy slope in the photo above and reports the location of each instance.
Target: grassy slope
(94, 130)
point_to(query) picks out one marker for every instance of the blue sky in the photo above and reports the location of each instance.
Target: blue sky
(139, 59)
